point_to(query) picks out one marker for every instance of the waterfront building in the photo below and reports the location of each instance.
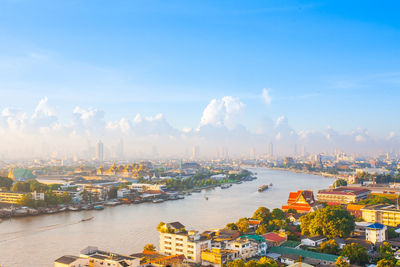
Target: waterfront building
(10, 197)
(218, 257)
(174, 239)
(342, 195)
(382, 213)
(71, 261)
(302, 201)
(375, 233)
(100, 258)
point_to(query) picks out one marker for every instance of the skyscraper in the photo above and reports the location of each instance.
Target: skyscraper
(270, 150)
(99, 151)
(195, 152)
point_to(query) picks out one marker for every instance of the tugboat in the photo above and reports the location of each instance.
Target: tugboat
(263, 188)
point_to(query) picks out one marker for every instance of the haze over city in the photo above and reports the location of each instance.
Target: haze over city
(164, 77)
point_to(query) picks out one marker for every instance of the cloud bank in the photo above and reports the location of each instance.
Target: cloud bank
(219, 134)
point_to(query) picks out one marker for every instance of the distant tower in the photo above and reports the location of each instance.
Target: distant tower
(252, 153)
(100, 151)
(195, 152)
(303, 151)
(270, 150)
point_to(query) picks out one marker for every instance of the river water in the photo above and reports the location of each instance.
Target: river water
(38, 241)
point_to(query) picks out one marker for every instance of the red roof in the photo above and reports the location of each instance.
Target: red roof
(344, 191)
(274, 237)
(254, 222)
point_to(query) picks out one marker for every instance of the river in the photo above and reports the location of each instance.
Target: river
(38, 241)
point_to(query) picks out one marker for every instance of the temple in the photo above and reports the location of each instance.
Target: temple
(302, 201)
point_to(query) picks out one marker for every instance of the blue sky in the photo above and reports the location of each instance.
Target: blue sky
(324, 63)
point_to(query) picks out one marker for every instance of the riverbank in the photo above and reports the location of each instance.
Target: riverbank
(127, 228)
(15, 212)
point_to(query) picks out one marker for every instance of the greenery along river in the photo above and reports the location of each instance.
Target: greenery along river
(127, 228)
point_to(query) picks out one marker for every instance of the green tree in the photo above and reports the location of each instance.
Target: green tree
(232, 226)
(386, 263)
(5, 183)
(329, 247)
(340, 262)
(355, 253)
(386, 252)
(391, 233)
(65, 198)
(51, 198)
(21, 187)
(339, 182)
(278, 214)
(267, 262)
(149, 247)
(263, 214)
(26, 201)
(243, 225)
(236, 263)
(331, 221)
(261, 230)
(251, 263)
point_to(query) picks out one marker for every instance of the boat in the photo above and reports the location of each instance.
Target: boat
(87, 219)
(270, 184)
(158, 200)
(98, 207)
(263, 188)
(72, 208)
(111, 203)
(225, 186)
(206, 198)
(196, 191)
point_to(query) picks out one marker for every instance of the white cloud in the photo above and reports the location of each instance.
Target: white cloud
(222, 112)
(266, 96)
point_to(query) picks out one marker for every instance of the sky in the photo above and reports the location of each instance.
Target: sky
(200, 73)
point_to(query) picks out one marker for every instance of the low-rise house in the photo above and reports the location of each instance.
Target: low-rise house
(322, 258)
(71, 261)
(100, 258)
(261, 243)
(217, 257)
(289, 258)
(376, 232)
(294, 218)
(152, 258)
(246, 248)
(314, 241)
(341, 242)
(300, 264)
(274, 239)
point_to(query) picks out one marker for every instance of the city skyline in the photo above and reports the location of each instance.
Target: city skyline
(167, 77)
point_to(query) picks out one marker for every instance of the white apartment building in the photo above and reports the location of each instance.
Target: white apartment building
(179, 241)
(246, 248)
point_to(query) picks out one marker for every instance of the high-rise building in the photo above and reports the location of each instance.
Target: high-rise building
(270, 150)
(252, 153)
(195, 152)
(100, 151)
